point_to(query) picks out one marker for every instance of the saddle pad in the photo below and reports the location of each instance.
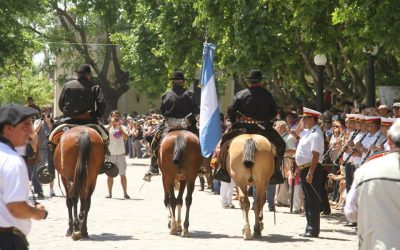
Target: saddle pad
(56, 138)
(64, 127)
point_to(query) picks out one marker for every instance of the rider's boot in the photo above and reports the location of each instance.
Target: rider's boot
(277, 177)
(222, 175)
(105, 166)
(50, 160)
(153, 169)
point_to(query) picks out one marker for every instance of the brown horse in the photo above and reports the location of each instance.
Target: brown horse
(78, 158)
(179, 158)
(250, 161)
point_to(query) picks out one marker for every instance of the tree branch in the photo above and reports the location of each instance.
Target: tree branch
(83, 48)
(309, 65)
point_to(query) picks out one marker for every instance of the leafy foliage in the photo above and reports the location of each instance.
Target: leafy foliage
(145, 40)
(15, 35)
(19, 81)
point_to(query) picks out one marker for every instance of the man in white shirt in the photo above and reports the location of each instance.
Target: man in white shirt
(373, 138)
(117, 134)
(15, 212)
(373, 200)
(309, 154)
(385, 125)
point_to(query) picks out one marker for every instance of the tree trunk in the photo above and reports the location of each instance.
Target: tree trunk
(111, 98)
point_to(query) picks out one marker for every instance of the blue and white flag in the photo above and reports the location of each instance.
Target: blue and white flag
(210, 128)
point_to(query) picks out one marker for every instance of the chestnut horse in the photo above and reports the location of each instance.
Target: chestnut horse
(78, 158)
(250, 161)
(179, 159)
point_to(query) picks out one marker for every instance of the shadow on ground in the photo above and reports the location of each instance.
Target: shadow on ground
(131, 199)
(138, 164)
(109, 237)
(348, 231)
(336, 218)
(209, 235)
(278, 238)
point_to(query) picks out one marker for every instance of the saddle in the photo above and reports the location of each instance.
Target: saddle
(230, 134)
(58, 131)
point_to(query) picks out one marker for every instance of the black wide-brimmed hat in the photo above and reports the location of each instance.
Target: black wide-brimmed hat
(178, 75)
(14, 113)
(84, 69)
(255, 74)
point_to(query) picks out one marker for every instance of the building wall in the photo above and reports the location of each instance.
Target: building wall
(134, 101)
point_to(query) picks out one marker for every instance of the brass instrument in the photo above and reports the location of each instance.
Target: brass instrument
(346, 146)
(324, 157)
(370, 149)
(354, 149)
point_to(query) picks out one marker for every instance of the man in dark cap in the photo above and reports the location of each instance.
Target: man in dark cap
(16, 213)
(176, 103)
(253, 109)
(81, 102)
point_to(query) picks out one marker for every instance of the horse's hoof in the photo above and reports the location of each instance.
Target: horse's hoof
(257, 234)
(173, 232)
(185, 233)
(261, 226)
(179, 229)
(247, 233)
(69, 233)
(76, 236)
(247, 236)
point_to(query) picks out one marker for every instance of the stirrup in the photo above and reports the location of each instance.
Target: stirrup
(44, 176)
(276, 178)
(147, 176)
(222, 175)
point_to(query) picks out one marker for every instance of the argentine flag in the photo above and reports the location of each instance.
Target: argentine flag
(210, 128)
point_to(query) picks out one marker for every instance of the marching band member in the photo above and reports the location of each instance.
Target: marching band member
(373, 138)
(354, 160)
(385, 125)
(396, 110)
(308, 157)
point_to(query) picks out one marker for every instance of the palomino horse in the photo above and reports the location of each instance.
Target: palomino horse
(179, 158)
(78, 158)
(250, 161)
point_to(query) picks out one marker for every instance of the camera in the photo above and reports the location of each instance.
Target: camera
(45, 115)
(116, 119)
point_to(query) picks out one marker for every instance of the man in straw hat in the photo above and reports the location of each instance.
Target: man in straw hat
(309, 154)
(177, 103)
(15, 211)
(253, 109)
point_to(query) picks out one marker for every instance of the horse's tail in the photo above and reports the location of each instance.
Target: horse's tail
(249, 152)
(179, 150)
(81, 170)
